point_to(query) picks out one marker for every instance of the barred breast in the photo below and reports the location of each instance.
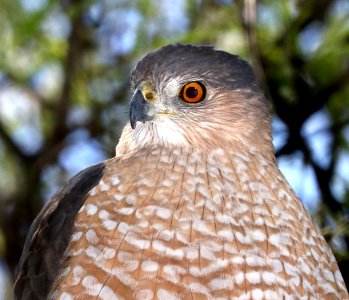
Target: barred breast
(184, 224)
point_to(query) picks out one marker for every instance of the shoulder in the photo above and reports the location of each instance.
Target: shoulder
(50, 233)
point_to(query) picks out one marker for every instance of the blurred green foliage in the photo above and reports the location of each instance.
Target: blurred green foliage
(64, 69)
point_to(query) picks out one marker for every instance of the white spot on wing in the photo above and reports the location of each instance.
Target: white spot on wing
(199, 288)
(164, 294)
(94, 288)
(163, 213)
(92, 237)
(76, 236)
(78, 272)
(253, 277)
(257, 294)
(92, 252)
(139, 243)
(149, 266)
(161, 247)
(268, 278)
(93, 191)
(126, 211)
(109, 224)
(103, 214)
(146, 294)
(107, 293)
(66, 296)
(104, 186)
(221, 284)
(115, 180)
(91, 209)
(239, 277)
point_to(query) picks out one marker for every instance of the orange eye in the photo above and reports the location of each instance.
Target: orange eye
(193, 92)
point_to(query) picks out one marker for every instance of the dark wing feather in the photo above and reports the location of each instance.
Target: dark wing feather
(50, 234)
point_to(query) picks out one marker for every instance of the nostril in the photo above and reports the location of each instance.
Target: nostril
(149, 96)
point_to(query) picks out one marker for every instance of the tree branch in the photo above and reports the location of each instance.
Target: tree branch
(248, 19)
(10, 144)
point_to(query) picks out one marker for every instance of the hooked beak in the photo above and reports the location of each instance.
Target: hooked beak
(140, 109)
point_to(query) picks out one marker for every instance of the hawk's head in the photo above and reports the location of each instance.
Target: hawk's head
(195, 96)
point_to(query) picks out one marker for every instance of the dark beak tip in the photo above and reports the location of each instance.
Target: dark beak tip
(139, 109)
(133, 119)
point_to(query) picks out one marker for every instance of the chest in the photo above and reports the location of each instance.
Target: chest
(182, 224)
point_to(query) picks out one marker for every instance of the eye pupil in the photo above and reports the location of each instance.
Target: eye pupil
(191, 92)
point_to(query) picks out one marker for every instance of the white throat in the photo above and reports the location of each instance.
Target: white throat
(164, 132)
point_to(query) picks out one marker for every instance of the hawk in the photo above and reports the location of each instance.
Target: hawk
(192, 206)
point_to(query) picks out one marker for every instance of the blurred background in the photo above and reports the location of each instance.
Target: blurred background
(64, 68)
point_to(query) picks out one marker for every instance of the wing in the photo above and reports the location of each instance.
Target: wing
(50, 234)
